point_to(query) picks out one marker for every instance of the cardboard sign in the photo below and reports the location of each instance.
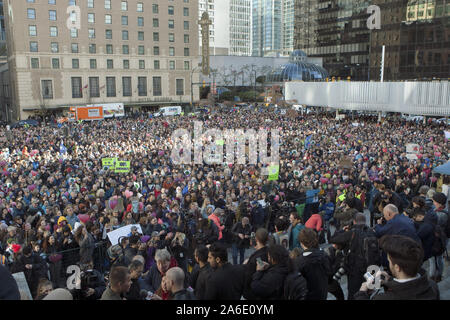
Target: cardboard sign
(122, 167)
(125, 231)
(346, 163)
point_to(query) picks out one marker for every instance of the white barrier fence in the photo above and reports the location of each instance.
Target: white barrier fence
(420, 98)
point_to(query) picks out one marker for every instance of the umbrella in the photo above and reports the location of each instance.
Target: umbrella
(443, 169)
(22, 123)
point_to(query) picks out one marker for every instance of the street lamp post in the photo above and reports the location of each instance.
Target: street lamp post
(254, 71)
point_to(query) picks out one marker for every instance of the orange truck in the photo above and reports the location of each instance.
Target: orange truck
(86, 113)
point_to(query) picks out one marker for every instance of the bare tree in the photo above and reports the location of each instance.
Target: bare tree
(245, 69)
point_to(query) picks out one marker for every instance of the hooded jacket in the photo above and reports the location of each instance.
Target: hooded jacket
(314, 265)
(418, 289)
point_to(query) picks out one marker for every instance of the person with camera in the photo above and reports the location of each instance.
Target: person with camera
(179, 246)
(314, 265)
(407, 280)
(92, 283)
(136, 267)
(268, 280)
(259, 241)
(360, 247)
(206, 233)
(241, 239)
(119, 284)
(201, 272)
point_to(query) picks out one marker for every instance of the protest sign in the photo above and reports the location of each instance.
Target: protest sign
(125, 231)
(122, 167)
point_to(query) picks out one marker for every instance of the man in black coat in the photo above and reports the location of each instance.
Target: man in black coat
(408, 281)
(261, 238)
(8, 287)
(226, 281)
(268, 280)
(33, 266)
(241, 232)
(201, 273)
(314, 265)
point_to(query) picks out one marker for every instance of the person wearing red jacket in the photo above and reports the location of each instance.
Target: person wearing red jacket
(215, 218)
(314, 222)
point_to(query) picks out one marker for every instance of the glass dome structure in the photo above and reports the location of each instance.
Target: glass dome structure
(297, 69)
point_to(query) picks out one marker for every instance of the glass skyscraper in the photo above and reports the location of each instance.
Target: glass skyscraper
(267, 29)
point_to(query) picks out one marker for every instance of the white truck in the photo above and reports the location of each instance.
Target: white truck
(168, 111)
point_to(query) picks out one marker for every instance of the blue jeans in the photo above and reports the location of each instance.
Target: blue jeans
(235, 251)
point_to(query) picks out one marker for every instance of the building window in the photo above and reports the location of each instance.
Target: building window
(33, 46)
(155, 8)
(186, 25)
(141, 64)
(125, 49)
(186, 52)
(140, 21)
(171, 24)
(155, 36)
(156, 51)
(94, 90)
(91, 33)
(47, 89)
(140, 7)
(186, 65)
(142, 86)
(108, 4)
(124, 20)
(141, 50)
(157, 86)
(186, 12)
(124, 6)
(54, 47)
(109, 49)
(171, 10)
(51, 1)
(110, 86)
(32, 31)
(126, 86)
(53, 31)
(75, 64)
(108, 19)
(109, 64)
(171, 65)
(180, 87)
(93, 63)
(186, 38)
(72, 2)
(108, 34)
(31, 14)
(124, 35)
(91, 17)
(156, 64)
(92, 48)
(35, 63)
(171, 51)
(126, 64)
(171, 37)
(74, 47)
(76, 88)
(155, 23)
(90, 4)
(140, 35)
(73, 33)
(52, 15)
(55, 63)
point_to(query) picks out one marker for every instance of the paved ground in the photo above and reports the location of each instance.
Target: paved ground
(444, 285)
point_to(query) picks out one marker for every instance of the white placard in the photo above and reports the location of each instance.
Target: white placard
(122, 232)
(22, 284)
(412, 148)
(447, 134)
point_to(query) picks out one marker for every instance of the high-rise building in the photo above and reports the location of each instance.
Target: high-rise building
(137, 52)
(288, 26)
(337, 31)
(267, 27)
(230, 31)
(2, 34)
(416, 36)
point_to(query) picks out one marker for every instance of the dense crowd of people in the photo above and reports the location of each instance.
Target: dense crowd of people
(306, 229)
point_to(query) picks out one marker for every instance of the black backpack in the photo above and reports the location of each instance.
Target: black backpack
(295, 287)
(365, 243)
(440, 238)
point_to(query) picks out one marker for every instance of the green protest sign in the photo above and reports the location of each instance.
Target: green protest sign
(220, 142)
(109, 162)
(122, 167)
(274, 171)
